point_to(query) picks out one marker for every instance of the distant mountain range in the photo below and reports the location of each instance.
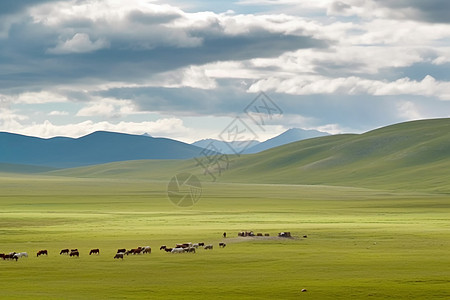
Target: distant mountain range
(104, 147)
(289, 136)
(225, 147)
(96, 148)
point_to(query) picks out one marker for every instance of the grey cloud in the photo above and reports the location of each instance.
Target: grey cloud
(26, 62)
(357, 112)
(14, 6)
(433, 11)
(151, 18)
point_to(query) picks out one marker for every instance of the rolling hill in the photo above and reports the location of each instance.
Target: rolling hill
(408, 156)
(96, 148)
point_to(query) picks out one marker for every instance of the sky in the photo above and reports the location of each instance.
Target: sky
(189, 70)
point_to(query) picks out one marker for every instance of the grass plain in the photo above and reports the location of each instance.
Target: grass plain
(362, 243)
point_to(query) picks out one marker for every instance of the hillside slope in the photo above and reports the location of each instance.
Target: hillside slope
(407, 155)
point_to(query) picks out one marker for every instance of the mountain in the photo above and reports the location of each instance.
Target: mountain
(289, 136)
(411, 156)
(96, 148)
(225, 147)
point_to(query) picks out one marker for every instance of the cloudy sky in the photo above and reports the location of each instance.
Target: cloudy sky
(187, 69)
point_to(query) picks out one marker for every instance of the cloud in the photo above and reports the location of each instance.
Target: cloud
(98, 42)
(309, 85)
(432, 11)
(79, 43)
(58, 113)
(110, 108)
(40, 97)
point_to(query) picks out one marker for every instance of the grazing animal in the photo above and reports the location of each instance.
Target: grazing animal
(94, 251)
(146, 249)
(190, 250)
(305, 236)
(10, 256)
(162, 247)
(42, 252)
(168, 249)
(177, 250)
(223, 245)
(21, 254)
(224, 235)
(74, 253)
(210, 247)
(133, 251)
(119, 255)
(64, 251)
(266, 234)
(304, 290)
(73, 250)
(121, 250)
(201, 244)
(195, 245)
(259, 234)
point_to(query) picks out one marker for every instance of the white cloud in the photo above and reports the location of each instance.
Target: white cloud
(34, 98)
(309, 85)
(107, 107)
(79, 43)
(10, 119)
(58, 113)
(407, 110)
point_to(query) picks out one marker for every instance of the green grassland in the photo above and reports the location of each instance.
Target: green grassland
(361, 243)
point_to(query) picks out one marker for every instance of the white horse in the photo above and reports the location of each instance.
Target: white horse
(177, 250)
(195, 245)
(21, 254)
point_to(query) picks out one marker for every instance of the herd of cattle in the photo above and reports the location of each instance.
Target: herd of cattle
(179, 248)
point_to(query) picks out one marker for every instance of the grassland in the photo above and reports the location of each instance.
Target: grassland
(361, 243)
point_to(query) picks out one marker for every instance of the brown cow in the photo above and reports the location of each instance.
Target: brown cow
(121, 250)
(74, 253)
(223, 245)
(42, 252)
(94, 251)
(119, 255)
(162, 247)
(64, 251)
(168, 249)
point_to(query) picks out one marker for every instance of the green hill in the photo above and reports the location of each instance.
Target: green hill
(412, 155)
(408, 156)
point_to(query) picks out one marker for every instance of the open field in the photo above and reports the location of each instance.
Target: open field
(361, 243)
